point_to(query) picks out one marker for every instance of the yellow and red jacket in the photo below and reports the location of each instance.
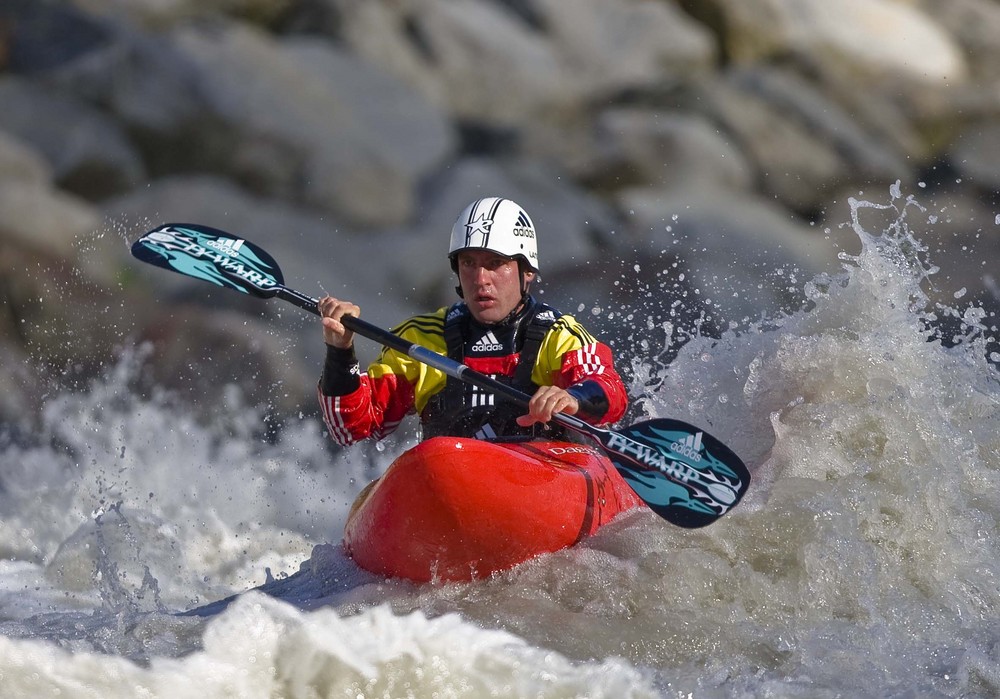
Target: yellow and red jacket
(356, 406)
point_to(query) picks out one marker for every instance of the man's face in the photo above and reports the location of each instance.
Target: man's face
(491, 284)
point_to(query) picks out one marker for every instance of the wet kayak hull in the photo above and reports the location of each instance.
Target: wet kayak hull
(459, 509)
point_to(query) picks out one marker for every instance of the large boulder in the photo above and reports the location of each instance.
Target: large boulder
(872, 39)
(307, 121)
(88, 151)
(974, 25)
(159, 14)
(34, 215)
(477, 60)
(975, 154)
(613, 48)
(505, 65)
(803, 144)
(663, 148)
(19, 162)
(740, 257)
(40, 35)
(895, 69)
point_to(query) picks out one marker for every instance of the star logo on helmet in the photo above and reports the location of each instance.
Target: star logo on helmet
(481, 226)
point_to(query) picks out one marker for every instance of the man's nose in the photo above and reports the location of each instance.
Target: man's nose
(481, 275)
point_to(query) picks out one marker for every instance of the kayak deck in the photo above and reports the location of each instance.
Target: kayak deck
(454, 509)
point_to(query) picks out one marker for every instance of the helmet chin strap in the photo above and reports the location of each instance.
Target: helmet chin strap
(517, 309)
(525, 286)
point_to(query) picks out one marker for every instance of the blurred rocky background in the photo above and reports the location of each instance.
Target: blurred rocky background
(687, 163)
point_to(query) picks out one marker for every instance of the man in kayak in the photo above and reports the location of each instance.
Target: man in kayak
(497, 328)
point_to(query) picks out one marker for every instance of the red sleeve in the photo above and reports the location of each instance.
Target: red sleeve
(594, 362)
(375, 409)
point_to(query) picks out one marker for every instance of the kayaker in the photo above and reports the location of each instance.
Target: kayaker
(497, 328)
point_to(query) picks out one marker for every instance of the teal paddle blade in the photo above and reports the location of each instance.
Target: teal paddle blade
(211, 255)
(683, 473)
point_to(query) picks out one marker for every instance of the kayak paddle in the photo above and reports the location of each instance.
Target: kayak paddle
(684, 474)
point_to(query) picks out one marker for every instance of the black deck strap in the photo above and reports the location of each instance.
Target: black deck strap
(537, 328)
(454, 339)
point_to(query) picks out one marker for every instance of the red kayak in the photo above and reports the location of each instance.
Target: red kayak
(460, 509)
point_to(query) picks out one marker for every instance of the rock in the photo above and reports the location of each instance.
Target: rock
(882, 38)
(394, 126)
(743, 258)
(484, 61)
(21, 163)
(896, 72)
(88, 152)
(15, 388)
(974, 25)
(608, 48)
(505, 65)
(44, 34)
(804, 144)
(790, 162)
(641, 146)
(43, 219)
(300, 127)
(159, 14)
(198, 350)
(387, 35)
(975, 155)
(67, 325)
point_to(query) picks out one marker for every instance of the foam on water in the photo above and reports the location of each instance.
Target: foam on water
(864, 562)
(261, 647)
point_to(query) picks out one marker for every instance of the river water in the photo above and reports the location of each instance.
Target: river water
(864, 561)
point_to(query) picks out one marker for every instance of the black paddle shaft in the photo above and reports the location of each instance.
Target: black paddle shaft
(419, 352)
(681, 472)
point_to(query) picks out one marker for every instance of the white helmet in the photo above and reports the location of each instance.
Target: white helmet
(497, 225)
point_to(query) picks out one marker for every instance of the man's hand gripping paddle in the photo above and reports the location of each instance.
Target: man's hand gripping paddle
(683, 473)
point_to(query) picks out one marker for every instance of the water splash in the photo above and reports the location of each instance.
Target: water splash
(876, 449)
(864, 560)
(121, 508)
